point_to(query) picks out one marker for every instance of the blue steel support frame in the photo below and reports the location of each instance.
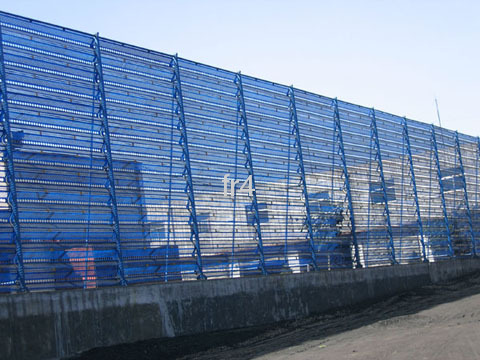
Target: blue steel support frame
(249, 166)
(187, 170)
(476, 171)
(301, 170)
(378, 157)
(346, 177)
(10, 171)
(107, 151)
(442, 195)
(465, 193)
(406, 137)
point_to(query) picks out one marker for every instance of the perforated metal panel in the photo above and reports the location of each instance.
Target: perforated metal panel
(174, 131)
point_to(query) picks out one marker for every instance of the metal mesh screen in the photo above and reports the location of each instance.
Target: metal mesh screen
(119, 165)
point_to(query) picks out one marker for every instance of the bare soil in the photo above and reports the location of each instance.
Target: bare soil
(434, 322)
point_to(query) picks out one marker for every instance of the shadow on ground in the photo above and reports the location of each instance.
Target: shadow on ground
(255, 341)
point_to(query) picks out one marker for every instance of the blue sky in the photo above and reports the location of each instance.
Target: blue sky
(393, 55)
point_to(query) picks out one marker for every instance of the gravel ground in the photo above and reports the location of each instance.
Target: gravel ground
(434, 322)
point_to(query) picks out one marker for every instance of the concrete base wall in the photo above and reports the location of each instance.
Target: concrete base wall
(62, 323)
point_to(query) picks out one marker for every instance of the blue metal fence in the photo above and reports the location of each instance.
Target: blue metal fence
(119, 165)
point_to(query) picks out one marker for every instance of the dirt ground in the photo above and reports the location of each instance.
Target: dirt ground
(434, 322)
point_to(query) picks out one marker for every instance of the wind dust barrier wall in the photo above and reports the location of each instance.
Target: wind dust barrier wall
(119, 161)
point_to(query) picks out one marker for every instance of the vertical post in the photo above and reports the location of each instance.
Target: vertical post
(402, 187)
(301, 170)
(170, 218)
(234, 220)
(414, 185)
(107, 151)
(476, 172)
(249, 166)
(14, 219)
(346, 177)
(285, 249)
(378, 157)
(442, 195)
(187, 170)
(465, 193)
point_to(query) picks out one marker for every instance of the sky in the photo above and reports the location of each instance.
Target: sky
(396, 56)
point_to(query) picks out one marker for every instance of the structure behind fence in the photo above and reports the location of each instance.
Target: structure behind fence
(119, 164)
